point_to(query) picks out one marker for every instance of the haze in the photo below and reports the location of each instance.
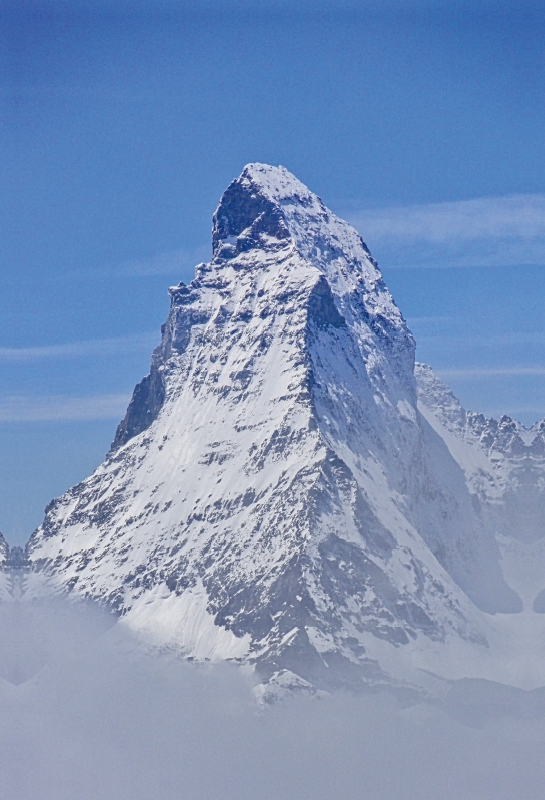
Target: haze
(96, 716)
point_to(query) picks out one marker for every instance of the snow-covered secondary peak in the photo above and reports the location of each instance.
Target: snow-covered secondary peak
(274, 495)
(503, 462)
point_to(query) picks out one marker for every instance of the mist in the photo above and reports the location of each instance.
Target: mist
(88, 713)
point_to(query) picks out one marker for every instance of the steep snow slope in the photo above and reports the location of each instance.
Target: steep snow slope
(273, 494)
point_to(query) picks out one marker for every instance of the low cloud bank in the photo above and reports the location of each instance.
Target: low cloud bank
(87, 714)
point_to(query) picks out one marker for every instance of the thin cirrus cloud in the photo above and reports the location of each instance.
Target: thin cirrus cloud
(94, 348)
(175, 262)
(495, 340)
(68, 408)
(485, 232)
(431, 320)
(492, 372)
(62, 408)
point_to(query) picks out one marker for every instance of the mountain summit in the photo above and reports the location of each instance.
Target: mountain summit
(276, 495)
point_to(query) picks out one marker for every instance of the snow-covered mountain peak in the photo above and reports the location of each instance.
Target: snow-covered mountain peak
(274, 495)
(268, 207)
(276, 183)
(281, 259)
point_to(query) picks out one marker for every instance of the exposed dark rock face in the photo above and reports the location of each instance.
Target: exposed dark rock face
(248, 217)
(146, 403)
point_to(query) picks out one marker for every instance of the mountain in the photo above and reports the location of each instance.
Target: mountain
(503, 462)
(286, 490)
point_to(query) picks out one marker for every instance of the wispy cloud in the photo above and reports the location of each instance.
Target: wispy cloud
(62, 408)
(470, 340)
(430, 320)
(489, 372)
(170, 263)
(487, 232)
(141, 342)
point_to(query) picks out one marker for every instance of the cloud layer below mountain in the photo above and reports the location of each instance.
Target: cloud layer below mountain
(86, 713)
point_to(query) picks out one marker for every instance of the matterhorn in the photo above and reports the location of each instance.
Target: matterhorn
(290, 493)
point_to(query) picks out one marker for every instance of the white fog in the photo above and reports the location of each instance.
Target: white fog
(86, 713)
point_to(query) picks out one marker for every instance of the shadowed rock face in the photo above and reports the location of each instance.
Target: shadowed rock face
(244, 219)
(274, 495)
(322, 310)
(146, 402)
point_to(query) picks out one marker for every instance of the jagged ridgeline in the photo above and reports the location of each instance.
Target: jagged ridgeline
(276, 495)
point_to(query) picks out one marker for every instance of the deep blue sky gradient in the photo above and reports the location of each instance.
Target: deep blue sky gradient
(122, 125)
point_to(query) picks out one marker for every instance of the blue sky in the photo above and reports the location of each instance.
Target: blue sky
(121, 124)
